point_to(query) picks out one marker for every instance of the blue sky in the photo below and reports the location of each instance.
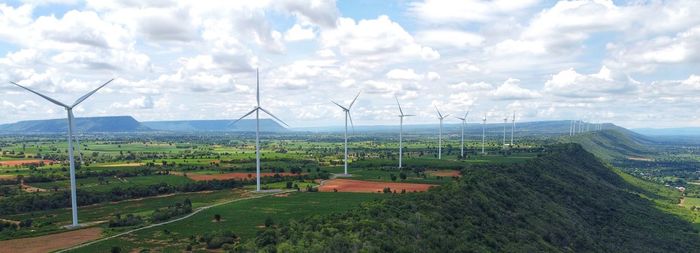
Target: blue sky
(596, 60)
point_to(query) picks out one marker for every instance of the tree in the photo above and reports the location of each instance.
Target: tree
(393, 177)
(217, 217)
(116, 249)
(269, 222)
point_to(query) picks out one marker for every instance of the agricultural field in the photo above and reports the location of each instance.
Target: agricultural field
(128, 182)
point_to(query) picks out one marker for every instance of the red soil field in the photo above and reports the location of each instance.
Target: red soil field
(349, 185)
(235, 175)
(444, 173)
(22, 162)
(52, 242)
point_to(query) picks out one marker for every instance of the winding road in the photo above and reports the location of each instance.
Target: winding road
(198, 210)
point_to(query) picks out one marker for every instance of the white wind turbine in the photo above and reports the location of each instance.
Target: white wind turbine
(505, 123)
(401, 116)
(512, 131)
(347, 116)
(71, 126)
(257, 110)
(440, 117)
(464, 125)
(483, 135)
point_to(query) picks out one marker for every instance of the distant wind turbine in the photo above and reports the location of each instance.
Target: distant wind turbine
(464, 125)
(401, 116)
(71, 126)
(440, 117)
(483, 135)
(257, 110)
(512, 131)
(346, 110)
(505, 123)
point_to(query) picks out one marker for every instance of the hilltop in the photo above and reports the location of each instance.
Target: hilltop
(566, 201)
(127, 124)
(614, 144)
(90, 124)
(247, 125)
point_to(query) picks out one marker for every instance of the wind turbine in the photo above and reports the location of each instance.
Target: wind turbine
(257, 110)
(483, 135)
(401, 116)
(512, 131)
(505, 123)
(71, 125)
(464, 125)
(440, 117)
(346, 110)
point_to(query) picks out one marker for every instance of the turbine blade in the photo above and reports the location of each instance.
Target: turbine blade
(445, 116)
(246, 115)
(81, 99)
(353, 101)
(408, 115)
(462, 119)
(257, 89)
(438, 111)
(340, 105)
(351, 123)
(268, 113)
(399, 104)
(41, 95)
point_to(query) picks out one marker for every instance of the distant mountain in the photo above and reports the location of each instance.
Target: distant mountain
(615, 143)
(90, 124)
(245, 125)
(473, 128)
(685, 131)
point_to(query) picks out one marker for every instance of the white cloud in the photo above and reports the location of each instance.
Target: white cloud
(298, 33)
(467, 10)
(569, 83)
(449, 38)
(375, 40)
(511, 90)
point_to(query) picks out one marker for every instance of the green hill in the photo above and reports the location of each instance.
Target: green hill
(614, 144)
(565, 201)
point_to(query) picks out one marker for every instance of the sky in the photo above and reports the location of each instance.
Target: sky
(633, 63)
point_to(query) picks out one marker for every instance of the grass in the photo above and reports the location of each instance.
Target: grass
(244, 218)
(93, 184)
(53, 220)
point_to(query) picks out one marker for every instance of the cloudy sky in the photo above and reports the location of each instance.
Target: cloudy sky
(634, 63)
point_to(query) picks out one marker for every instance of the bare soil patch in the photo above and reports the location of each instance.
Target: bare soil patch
(23, 162)
(350, 185)
(52, 242)
(444, 173)
(643, 159)
(122, 164)
(235, 175)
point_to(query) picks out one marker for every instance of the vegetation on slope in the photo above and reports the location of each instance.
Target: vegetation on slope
(566, 201)
(613, 144)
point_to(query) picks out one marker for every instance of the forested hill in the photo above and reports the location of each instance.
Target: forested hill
(565, 201)
(614, 144)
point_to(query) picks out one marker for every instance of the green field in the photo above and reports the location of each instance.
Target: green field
(244, 218)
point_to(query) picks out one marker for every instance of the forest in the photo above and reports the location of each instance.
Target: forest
(565, 201)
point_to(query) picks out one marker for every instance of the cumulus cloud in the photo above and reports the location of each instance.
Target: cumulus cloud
(378, 39)
(466, 11)
(569, 83)
(511, 90)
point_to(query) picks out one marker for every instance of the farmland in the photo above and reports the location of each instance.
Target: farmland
(126, 182)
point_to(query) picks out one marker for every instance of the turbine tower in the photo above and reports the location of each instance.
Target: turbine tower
(483, 135)
(257, 110)
(347, 115)
(512, 131)
(464, 125)
(505, 123)
(440, 117)
(71, 126)
(401, 116)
